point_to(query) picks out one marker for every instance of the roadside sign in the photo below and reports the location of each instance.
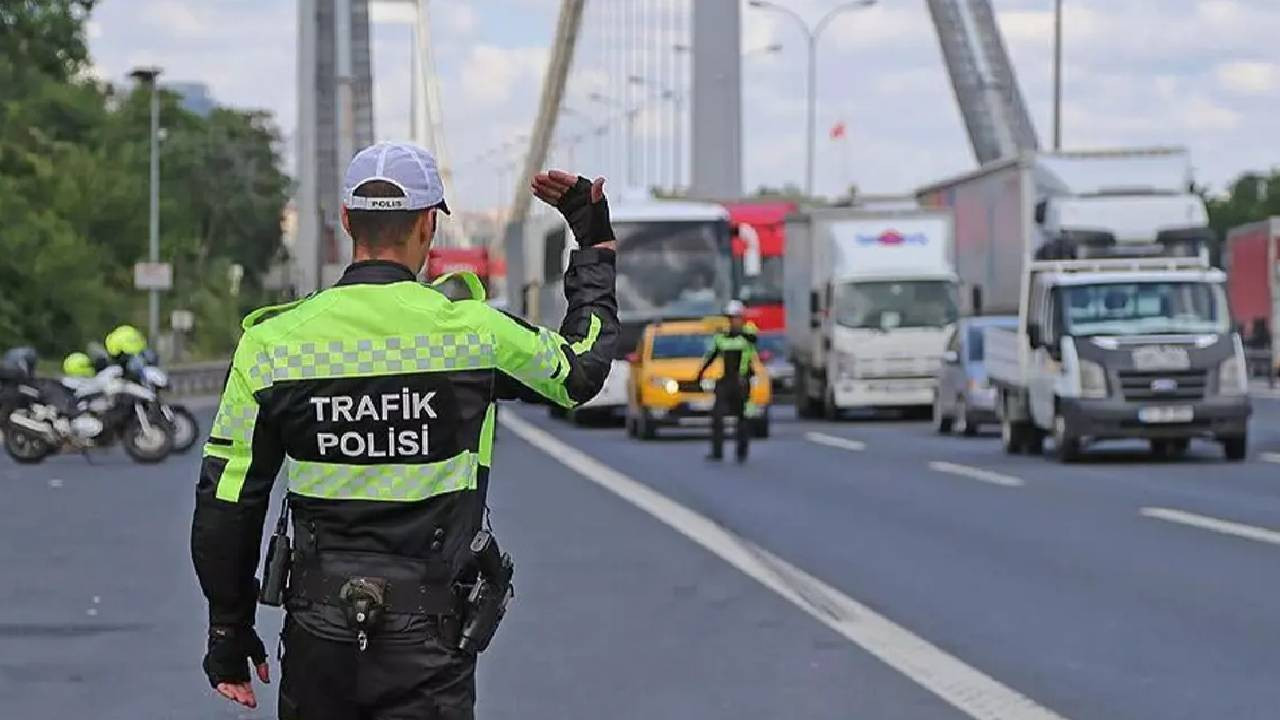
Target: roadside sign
(152, 276)
(182, 320)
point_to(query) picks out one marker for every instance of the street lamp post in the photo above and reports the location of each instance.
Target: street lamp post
(1057, 75)
(811, 36)
(147, 76)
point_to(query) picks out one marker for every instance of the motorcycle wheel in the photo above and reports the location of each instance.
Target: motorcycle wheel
(147, 446)
(186, 430)
(25, 447)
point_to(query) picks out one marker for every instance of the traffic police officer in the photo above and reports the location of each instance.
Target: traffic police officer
(378, 396)
(736, 348)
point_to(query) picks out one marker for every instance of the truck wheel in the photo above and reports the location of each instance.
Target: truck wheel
(1066, 447)
(941, 422)
(830, 411)
(1010, 437)
(1235, 447)
(806, 408)
(962, 424)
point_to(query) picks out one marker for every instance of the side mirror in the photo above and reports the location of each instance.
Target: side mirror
(1042, 211)
(750, 250)
(950, 357)
(633, 358)
(1033, 336)
(813, 302)
(977, 299)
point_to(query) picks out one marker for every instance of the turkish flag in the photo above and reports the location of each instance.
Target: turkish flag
(837, 131)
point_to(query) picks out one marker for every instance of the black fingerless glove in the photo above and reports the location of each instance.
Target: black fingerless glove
(589, 221)
(231, 648)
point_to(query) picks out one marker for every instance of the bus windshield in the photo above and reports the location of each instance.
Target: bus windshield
(672, 269)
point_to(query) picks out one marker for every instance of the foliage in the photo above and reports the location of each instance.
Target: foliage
(74, 163)
(1252, 196)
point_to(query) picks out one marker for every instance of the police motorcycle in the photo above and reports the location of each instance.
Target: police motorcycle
(82, 411)
(145, 370)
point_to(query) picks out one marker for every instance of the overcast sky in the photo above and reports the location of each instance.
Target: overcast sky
(1200, 73)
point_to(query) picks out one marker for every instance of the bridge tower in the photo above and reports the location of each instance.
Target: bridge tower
(335, 116)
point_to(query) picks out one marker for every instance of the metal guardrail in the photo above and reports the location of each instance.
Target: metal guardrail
(193, 379)
(1259, 361)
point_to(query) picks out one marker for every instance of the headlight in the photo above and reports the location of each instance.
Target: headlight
(846, 365)
(666, 384)
(1232, 378)
(1093, 380)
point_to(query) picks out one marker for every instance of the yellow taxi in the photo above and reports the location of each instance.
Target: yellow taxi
(664, 391)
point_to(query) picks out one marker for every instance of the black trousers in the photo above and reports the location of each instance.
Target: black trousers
(731, 399)
(328, 680)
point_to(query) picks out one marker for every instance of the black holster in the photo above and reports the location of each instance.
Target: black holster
(487, 599)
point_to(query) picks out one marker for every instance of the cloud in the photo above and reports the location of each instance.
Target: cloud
(1248, 77)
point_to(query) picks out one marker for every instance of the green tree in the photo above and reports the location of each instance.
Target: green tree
(74, 158)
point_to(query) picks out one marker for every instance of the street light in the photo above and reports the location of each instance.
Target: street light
(147, 76)
(812, 34)
(1057, 75)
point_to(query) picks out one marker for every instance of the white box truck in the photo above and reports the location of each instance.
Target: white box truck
(1123, 328)
(869, 297)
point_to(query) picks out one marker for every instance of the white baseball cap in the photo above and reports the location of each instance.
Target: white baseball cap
(405, 165)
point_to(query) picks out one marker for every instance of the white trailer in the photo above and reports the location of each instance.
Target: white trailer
(1123, 327)
(869, 296)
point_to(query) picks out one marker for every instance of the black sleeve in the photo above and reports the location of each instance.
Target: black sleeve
(570, 366)
(240, 463)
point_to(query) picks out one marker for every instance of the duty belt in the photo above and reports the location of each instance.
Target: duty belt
(410, 586)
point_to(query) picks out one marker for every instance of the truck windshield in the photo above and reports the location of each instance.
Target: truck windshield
(902, 303)
(672, 269)
(671, 347)
(1144, 308)
(765, 288)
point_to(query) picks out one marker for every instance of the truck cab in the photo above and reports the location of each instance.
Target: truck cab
(1122, 348)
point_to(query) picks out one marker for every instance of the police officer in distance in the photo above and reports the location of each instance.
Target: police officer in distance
(378, 396)
(736, 349)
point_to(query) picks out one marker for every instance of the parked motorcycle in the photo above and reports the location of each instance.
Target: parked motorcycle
(42, 416)
(183, 426)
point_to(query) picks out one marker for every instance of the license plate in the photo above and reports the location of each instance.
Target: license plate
(701, 405)
(1167, 414)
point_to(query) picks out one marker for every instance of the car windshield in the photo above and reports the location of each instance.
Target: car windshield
(671, 347)
(903, 303)
(774, 343)
(672, 269)
(1144, 308)
(765, 288)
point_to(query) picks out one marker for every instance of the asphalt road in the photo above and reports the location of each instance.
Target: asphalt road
(862, 569)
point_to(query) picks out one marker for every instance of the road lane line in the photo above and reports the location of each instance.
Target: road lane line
(835, 441)
(1270, 457)
(1204, 522)
(976, 473)
(964, 687)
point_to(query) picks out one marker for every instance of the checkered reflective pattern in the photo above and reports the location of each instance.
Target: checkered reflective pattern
(383, 482)
(235, 421)
(545, 361)
(383, 356)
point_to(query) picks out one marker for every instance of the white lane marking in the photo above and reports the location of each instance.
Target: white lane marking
(835, 441)
(1270, 457)
(1204, 522)
(976, 473)
(966, 688)
(55, 483)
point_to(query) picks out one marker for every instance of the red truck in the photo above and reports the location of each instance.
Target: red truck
(759, 230)
(1252, 260)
